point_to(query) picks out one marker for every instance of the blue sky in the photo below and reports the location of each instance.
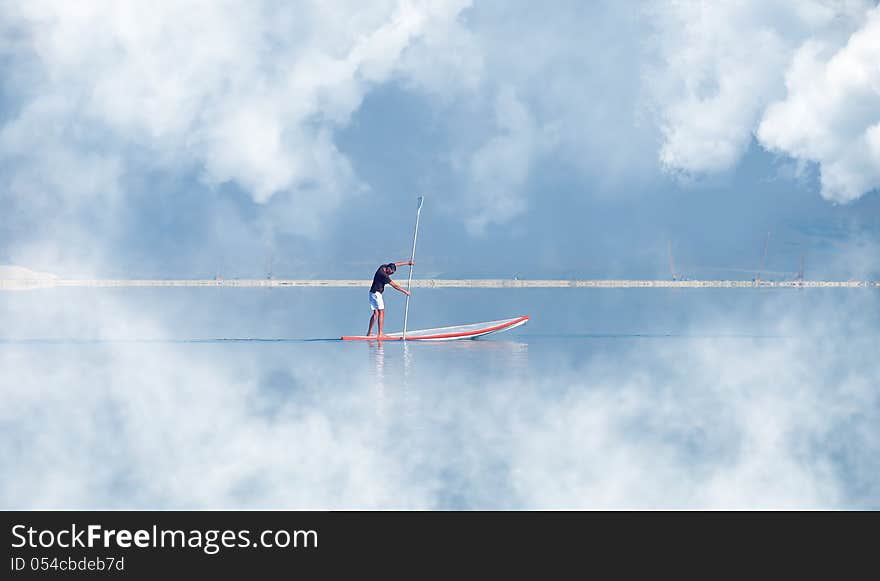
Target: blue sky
(564, 141)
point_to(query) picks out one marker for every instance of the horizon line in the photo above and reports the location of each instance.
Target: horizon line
(37, 283)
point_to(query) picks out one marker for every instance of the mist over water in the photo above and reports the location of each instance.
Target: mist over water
(222, 398)
(585, 141)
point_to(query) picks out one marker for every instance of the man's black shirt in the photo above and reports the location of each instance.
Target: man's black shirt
(380, 279)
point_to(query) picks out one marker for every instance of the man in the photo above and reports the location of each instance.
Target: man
(377, 305)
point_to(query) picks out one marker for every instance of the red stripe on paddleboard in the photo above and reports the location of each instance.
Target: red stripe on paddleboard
(370, 338)
(442, 335)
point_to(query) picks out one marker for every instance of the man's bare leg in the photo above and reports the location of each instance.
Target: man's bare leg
(372, 320)
(381, 322)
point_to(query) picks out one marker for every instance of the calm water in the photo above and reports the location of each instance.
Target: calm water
(234, 398)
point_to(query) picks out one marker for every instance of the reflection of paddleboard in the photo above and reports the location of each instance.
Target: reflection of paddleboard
(471, 331)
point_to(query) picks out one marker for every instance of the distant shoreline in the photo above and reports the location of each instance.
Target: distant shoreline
(38, 283)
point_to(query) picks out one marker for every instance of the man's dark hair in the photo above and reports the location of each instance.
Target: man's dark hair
(392, 267)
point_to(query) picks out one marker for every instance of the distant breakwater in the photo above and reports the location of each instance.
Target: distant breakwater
(488, 283)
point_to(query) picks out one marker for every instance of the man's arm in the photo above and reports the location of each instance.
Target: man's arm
(398, 287)
(404, 263)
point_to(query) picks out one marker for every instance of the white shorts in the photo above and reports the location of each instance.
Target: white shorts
(376, 302)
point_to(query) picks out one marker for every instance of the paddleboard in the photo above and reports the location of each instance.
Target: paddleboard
(453, 333)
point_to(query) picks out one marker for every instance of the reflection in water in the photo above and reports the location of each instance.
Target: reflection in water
(377, 353)
(410, 376)
(407, 394)
(503, 357)
(407, 364)
(675, 408)
(513, 354)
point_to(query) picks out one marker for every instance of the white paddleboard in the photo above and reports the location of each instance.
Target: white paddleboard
(453, 333)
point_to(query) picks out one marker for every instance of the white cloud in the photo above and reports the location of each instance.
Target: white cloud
(537, 93)
(248, 92)
(831, 112)
(104, 96)
(155, 424)
(499, 168)
(447, 60)
(719, 65)
(782, 421)
(57, 195)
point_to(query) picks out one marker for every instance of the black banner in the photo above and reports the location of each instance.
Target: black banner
(154, 544)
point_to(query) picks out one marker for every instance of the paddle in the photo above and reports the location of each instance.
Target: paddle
(412, 258)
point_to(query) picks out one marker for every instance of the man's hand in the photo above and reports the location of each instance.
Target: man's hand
(406, 292)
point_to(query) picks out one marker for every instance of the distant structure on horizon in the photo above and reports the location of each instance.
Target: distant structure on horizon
(758, 274)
